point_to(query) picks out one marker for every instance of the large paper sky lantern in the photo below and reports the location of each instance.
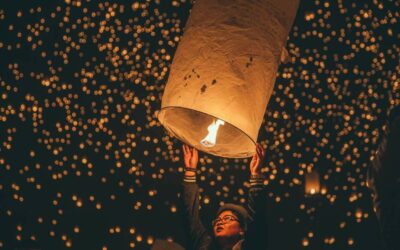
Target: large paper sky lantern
(223, 73)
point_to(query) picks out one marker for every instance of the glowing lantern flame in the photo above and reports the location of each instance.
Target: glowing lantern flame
(211, 138)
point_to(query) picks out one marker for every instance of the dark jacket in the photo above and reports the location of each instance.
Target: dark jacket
(256, 234)
(384, 181)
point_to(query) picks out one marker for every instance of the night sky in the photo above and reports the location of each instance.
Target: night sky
(85, 164)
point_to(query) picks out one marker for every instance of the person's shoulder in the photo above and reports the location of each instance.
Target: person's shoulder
(238, 246)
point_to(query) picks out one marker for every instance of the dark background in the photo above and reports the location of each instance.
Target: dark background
(84, 163)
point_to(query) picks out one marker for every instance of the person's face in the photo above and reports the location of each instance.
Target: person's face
(227, 225)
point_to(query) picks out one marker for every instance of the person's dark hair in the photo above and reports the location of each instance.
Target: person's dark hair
(242, 222)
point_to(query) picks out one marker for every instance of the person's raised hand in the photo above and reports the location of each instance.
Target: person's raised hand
(190, 157)
(257, 161)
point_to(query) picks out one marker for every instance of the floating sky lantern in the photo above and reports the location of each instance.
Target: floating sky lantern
(223, 73)
(312, 183)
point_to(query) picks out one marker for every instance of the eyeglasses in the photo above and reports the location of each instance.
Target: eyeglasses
(225, 219)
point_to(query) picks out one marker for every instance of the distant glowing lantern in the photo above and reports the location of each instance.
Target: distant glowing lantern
(312, 184)
(359, 214)
(223, 73)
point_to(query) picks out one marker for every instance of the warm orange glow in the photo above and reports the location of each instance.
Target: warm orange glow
(211, 139)
(312, 185)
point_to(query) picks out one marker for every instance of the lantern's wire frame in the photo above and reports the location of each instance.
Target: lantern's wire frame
(171, 131)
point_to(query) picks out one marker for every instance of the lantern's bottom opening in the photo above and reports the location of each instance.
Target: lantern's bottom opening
(190, 126)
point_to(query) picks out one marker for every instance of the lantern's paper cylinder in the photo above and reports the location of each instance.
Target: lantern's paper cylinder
(312, 183)
(225, 68)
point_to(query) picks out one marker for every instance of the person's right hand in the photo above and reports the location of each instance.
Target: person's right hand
(257, 161)
(190, 156)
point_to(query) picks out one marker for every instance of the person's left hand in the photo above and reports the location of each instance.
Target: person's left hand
(257, 161)
(190, 157)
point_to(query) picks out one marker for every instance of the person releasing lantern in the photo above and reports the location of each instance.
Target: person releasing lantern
(235, 227)
(224, 69)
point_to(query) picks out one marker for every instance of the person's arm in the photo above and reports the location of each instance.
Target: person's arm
(190, 199)
(384, 181)
(256, 233)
